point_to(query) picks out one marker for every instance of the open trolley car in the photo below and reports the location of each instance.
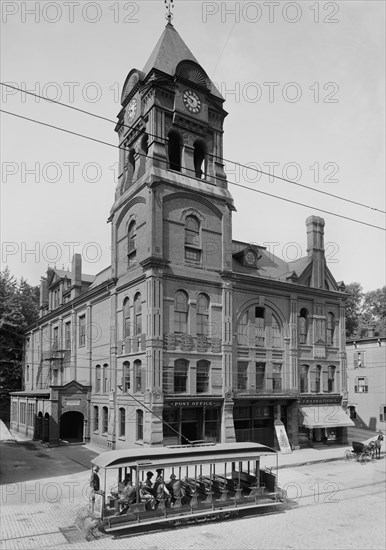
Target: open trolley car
(213, 481)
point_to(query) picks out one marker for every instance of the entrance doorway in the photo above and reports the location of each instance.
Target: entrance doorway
(71, 426)
(189, 430)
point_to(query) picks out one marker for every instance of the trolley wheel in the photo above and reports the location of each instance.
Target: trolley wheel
(347, 455)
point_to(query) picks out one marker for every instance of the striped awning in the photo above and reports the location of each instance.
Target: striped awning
(324, 416)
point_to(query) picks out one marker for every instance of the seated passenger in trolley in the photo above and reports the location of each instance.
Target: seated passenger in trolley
(162, 494)
(127, 496)
(176, 490)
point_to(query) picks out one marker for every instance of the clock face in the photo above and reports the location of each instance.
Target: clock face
(132, 109)
(250, 257)
(192, 102)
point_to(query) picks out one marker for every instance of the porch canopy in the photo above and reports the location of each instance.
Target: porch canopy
(324, 416)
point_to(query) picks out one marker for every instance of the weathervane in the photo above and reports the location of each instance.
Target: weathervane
(169, 4)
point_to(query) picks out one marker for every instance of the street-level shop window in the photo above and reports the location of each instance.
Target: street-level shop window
(211, 424)
(202, 379)
(139, 434)
(361, 384)
(180, 376)
(105, 420)
(122, 422)
(96, 418)
(22, 413)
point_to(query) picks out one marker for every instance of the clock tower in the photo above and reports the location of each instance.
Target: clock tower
(171, 227)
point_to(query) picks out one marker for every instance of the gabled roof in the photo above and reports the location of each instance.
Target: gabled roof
(169, 51)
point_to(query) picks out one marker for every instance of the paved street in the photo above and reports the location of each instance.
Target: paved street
(333, 505)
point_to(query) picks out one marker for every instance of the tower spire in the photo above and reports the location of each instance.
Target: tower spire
(169, 5)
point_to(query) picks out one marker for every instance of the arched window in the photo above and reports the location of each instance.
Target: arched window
(174, 151)
(138, 375)
(202, 315)
(181, 313)
(132, 243)
(139, 423)
(126, 318)
(330, 328)
(98, 378)
(276, 333)
(304, 378)
(96, 418)
(129, 168)
(260, 326)
(192, 231)
(303, 326)
(122, 422)
(192, 239)
(331, 379)
(126, 376)
(202, 378)
(105, 420)
(199, 158)
(180, 376)
(105, 378)
(138, 314)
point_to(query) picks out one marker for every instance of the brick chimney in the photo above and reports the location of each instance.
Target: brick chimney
(77, 274)
(315, 249)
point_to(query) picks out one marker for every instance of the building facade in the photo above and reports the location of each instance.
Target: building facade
(366, 371)
(188, 335)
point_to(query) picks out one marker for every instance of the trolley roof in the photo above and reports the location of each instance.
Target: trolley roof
(170, 456)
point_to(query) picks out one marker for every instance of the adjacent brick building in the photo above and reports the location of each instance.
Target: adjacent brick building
(188, 335)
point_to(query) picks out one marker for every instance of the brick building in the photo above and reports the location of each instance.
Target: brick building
(366, 372)
(188, 335)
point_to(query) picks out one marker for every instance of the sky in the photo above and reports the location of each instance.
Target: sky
(304, 89)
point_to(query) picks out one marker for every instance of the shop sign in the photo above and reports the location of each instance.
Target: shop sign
(195, 403)
(71, 402)
(319, 400)
(282, 438)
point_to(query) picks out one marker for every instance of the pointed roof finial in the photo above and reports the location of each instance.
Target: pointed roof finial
(169, 4)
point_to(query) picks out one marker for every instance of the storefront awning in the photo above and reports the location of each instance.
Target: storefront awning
(324, 416)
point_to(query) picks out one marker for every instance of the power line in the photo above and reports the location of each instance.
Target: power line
(230, 182)
(241, 165)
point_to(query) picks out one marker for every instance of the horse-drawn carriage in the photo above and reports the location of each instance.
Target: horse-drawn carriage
(364, 452)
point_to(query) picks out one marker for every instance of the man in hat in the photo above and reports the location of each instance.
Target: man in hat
(175, 489)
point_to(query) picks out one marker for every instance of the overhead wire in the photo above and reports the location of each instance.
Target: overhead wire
(239, 164)
(230, 182)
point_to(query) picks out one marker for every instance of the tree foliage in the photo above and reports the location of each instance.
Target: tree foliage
(365, 311)
(19, 307)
